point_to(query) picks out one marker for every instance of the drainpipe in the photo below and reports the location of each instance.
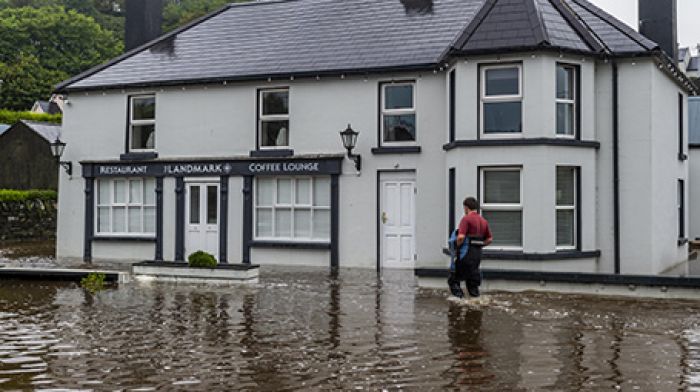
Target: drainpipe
(616, 165)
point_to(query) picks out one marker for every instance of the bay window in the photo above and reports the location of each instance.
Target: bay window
(293, 208)
(502, 206)
(398, 113)
(273, 118)
(501, 99)
(566, 208)
(566, 100)
(142, 122)
(126, 206)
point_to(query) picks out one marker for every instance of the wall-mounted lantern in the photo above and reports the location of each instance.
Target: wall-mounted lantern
(57, 148)
(349, 137)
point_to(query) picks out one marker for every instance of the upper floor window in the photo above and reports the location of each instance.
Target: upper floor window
(501, 99)
(273, 118)
(566, 100)
(398, 112)
(142, 122)
(681, 119)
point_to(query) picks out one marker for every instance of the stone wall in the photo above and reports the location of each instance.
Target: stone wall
(27, 220)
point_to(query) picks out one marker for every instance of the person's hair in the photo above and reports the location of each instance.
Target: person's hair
(471, 203)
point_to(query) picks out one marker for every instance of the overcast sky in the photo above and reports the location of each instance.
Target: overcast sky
(688, 16)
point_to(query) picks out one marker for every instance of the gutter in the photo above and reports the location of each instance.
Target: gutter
(616, 166)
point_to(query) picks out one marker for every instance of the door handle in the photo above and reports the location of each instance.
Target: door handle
(384, 217)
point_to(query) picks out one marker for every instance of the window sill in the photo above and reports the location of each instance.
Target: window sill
(138, 156)
(123, 239)
(396, 150)
(495, 142)
(516, 255)
(290, 244)
(272, 153)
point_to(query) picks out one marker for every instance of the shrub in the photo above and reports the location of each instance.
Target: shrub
(94, 282)
(10, 117)
(201, 259)
(9, 195)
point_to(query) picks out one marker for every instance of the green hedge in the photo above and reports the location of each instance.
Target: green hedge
(201, 259)
(10, 117)
(34, 194)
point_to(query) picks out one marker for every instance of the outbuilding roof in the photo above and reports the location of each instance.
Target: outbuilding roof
(264, 39)
(48, 131)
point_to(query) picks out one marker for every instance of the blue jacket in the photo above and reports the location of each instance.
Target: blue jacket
(452, 246)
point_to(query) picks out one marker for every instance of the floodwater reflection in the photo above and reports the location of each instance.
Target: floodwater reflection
(303, 329)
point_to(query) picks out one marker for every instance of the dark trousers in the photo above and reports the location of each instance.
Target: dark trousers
(467, 269)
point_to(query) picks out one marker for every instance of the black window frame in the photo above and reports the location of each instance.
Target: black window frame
(410, 145)
(130, 152)
(577, 210)
(452, 105)
(272, 150)
(681, 210)
(481, 92)
(577, 100)
(682, 156)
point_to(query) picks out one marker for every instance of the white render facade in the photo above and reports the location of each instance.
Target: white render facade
(224, 117)
(169, 167)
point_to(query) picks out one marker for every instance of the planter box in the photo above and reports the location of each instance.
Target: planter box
(182, 273)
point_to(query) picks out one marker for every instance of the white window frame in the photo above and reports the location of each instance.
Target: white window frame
(484, 99)
(573, 207)
(292, 207)
(272, 117)
(133, 122)
(126, 205)
(502, 206)
(571, 102)
(398, 112)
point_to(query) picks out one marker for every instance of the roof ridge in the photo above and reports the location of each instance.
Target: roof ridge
(614, 22)
(580, 27)
(61, 86)
(534, 12)
(257, 2)
(471, 28)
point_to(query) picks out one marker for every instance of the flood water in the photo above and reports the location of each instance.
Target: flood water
(302, 329)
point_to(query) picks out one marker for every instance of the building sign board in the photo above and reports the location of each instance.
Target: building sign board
(218, 168)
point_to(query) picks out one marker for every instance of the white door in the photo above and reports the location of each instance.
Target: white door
(202, 218)
(397, 220)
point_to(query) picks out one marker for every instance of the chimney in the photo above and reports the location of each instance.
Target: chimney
(658, 22)
(143, 22)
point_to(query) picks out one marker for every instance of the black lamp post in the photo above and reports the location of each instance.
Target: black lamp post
(57, 148)
(349, 137)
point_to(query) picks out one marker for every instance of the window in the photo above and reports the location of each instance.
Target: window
(452, 103)
(566, 207)
(142, 123)
(681, 209)
(681, 139)
(398, 113)
(293, 208)
(502, 205)
(566, 100)
(274, 118)
(501, 99)
(126, 206)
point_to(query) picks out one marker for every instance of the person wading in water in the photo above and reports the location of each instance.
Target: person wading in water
(473, 229)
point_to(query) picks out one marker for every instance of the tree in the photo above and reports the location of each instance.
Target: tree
(24, 81)
(177, 13)
(42, 46)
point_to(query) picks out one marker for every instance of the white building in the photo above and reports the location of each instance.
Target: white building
(223, 136)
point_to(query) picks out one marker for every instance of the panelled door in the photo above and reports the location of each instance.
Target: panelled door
(202, 218)
(397, 219)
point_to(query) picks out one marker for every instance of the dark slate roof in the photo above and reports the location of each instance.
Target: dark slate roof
(313, 37)
(694, 120)
(694, 63)
(48, 131)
